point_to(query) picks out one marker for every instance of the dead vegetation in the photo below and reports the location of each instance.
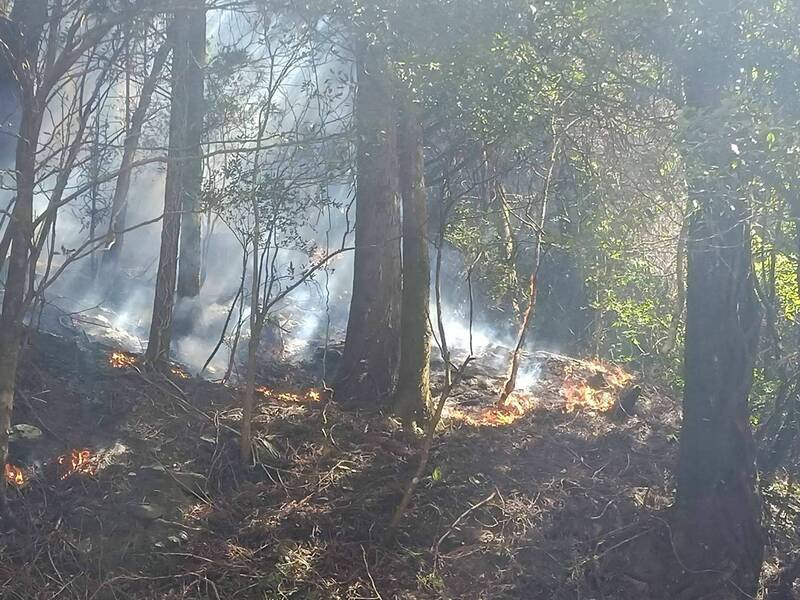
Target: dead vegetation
(545, 505)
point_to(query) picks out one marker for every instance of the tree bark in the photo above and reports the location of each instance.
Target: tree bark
(413, 385)
(372, 345)
(119, 202)
(21, 224)
(160, 338)
(190, 245)
(718, 506)
(256, 326)
(11, 320)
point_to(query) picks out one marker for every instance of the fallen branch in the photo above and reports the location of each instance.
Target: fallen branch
(461, 517)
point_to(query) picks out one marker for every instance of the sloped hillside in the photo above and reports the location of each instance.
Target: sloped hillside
(133, 489)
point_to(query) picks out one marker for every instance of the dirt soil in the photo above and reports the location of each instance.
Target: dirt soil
(548, 498)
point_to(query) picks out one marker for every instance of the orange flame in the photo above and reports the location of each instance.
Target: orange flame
(600, 394)
(15, 475)
(178, 372)
(121, 360)
(516, 406)
(307, 397)
(77, 461)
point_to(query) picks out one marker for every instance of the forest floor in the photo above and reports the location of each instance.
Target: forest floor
(134, 489)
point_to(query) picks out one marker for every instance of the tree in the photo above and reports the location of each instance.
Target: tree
(55, 56)
(184, 170)
(119, 201)
(372, 346)
(717, 498)
(413, 384)
(192, 167)
(20, 39)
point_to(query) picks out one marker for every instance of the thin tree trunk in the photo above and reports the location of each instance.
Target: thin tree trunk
(248, 399)
(191, 250)
(509, 244)
(451, 379)
(372, 346)
(413, 385)
(229, 316)
(495, 201)
(5, 242)
(119, 202)
(160, 339)
(256, 323)
(94, 193)
(511, 381)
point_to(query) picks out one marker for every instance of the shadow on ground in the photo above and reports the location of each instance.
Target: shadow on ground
(555, 505)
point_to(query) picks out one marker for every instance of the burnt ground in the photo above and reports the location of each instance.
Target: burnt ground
(544, 503)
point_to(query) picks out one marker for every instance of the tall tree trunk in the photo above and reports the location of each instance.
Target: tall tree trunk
(413, 384)
(119, 202)
(718, 506)
(190, 246)
(11, 321)
(30, 17)
(372, 347)
(160, 339)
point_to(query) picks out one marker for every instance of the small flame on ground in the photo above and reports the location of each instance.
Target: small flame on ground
(600, 396)
(15, 475)
(516, 406)
(178, 372)
(121, 360)
(309, 396)
(588, 385)
(77, 461)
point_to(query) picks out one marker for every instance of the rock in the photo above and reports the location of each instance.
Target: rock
(153, 469)
(146, 512)
(159, 479)
(626, 403)
(23, 431)
(191, 482)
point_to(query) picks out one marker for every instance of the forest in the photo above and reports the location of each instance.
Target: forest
(400, 299)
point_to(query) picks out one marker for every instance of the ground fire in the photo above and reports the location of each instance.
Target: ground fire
(596, 390)
(179, 373)
(398, 299)
(309, 396)
(564, 384)
(15, 475)
(121, 360)
(77, 461)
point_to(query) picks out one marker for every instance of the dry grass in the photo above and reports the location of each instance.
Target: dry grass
(552, 504)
